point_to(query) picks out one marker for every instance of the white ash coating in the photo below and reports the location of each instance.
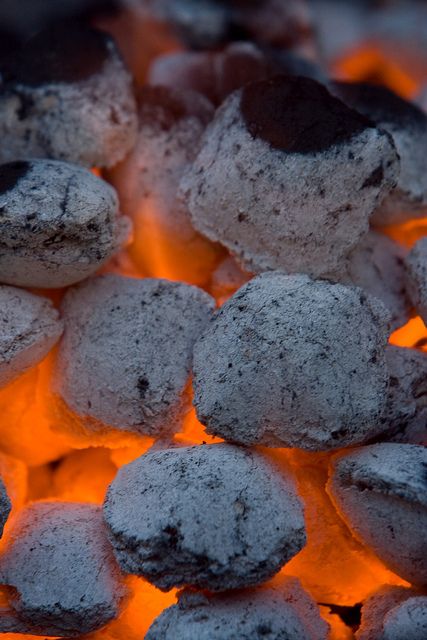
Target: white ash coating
(212, 516)
(416, 276)
(380, 492)
(377, 266)
(278, 613)
(59, 560)
(384, 606)
(29, 327)
(408, 620)
(125, 356)
(406, 414)
(5, 506)
(278, 209)
(292, 362)
(407, 124)
(91, 122)
(59, 223)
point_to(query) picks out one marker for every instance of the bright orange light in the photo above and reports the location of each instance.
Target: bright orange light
(412, 334)
(407, 233)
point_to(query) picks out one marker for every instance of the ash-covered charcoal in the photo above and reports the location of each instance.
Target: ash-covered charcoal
(125, 357)
(288, 176)
(171, 123)
(380, 492)
(377, 266)
(226, 279)
(276, 612)
(406, 414)
(394, 613)
(59, 561)
(407, 124)
(214, 516)
(68, 96)
(292, 362)
(416, 277)
(29, 327)
(59, 223)
(5, 506)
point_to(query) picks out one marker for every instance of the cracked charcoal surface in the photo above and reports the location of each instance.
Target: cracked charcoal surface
(278, 613)
(29, 327)
(394, 613)
(406, 414)
(380, 491)
(5, 506)
(60, 562)
(293, 362)
(125, 357)
(407, 124)
(416, 277)
(197, 516)
(377, 266)
(287, 177)
(67, 96)
(58, 222)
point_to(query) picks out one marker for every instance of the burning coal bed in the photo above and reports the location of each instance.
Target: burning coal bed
(213, 320)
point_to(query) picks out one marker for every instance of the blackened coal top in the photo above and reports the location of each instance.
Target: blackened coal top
(64, 53)
(11, 173)
(298, 115)
(380, 104)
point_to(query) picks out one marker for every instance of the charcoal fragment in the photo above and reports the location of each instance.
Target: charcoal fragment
(5, 506)
(416, 277)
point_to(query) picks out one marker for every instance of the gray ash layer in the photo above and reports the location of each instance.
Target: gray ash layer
(281, 612)
(394, 613)
(125, 357)
(29, 327)
(416, 277)
(215, 516)
(5, 506)
(59, 223)
(61, 564)
(407, 125)
(67, 96)
(293, 362)
(288, 176)
(380, 491)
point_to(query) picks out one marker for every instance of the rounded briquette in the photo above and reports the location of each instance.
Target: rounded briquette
(67, 95)
(29, 327)
(287, 177)
(380, 492)
(125, 357)
(292, 362)
(407, 124)
(416, 276)
(214, 516)
(59, 223)
(58, 559)
(283, 611)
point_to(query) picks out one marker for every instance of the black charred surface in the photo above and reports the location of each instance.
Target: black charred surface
(298, 115)
(11, 173)
(64, 53)
(351, 616)
(380, 104)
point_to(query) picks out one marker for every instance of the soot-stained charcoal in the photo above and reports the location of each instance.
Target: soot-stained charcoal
(394, 613)
(125, 357)
(380, 492)
(68, 96)
(276, 612)
(5, 506)
(58, 559)
(58, 223)
(292, 362)
(287, 176)
(406, 415)
(416, 277)
(197, 516)
(29, 327)
(407, 124)
(171, 123)
(377, 266)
